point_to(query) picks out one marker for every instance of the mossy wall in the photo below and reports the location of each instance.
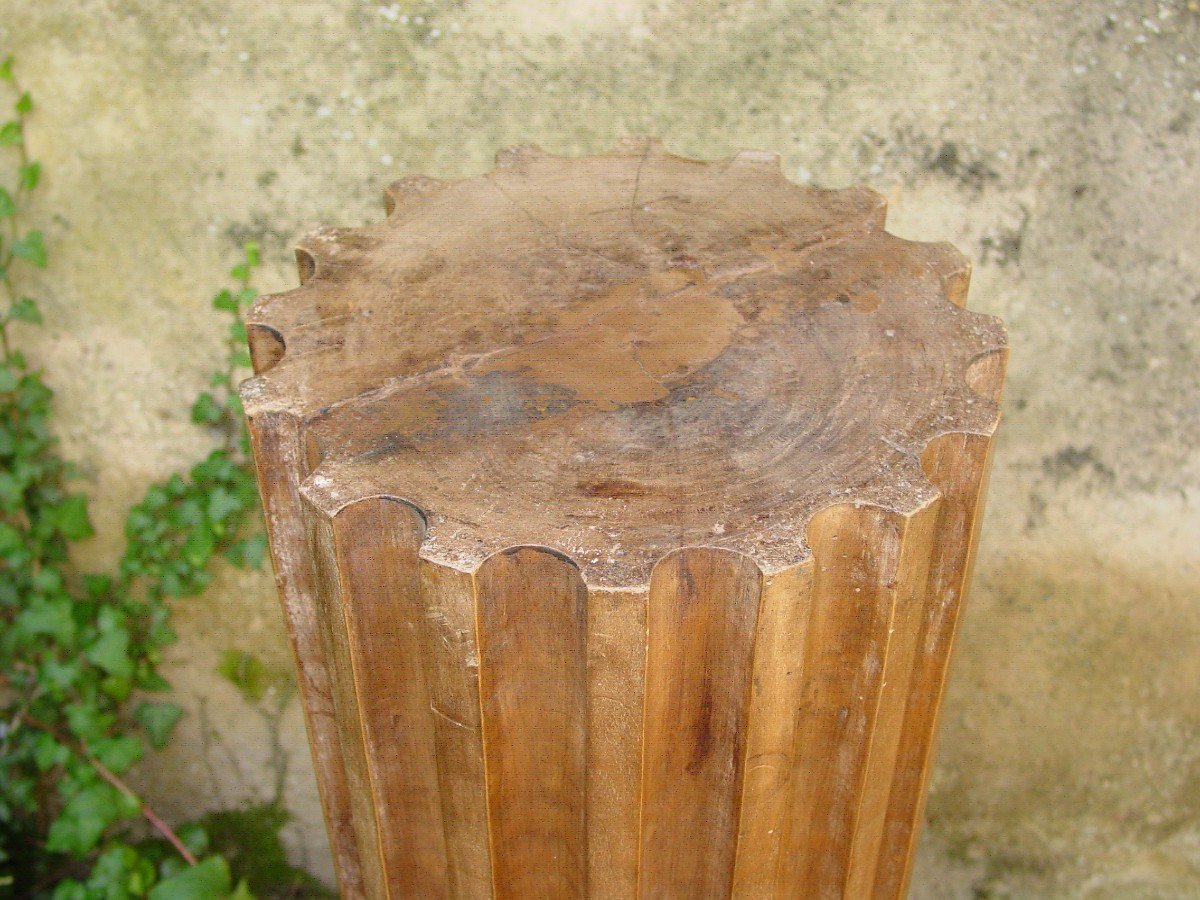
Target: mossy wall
(1055, 143)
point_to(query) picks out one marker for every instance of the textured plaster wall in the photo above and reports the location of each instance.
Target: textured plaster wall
(1055, 143)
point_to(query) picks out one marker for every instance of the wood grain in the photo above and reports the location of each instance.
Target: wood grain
(958, 464)
(532, 627)
(703, 606)
(616, 649)
(776, 705)
(623, 352)
(344, 697)
(376, 542)
(452, 661)
(908, 608)
(856, 552)
(280, 464)
(622, 509)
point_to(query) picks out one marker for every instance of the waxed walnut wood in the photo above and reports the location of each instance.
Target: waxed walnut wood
(622, 510)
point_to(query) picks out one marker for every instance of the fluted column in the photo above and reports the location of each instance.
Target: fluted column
(623, 511)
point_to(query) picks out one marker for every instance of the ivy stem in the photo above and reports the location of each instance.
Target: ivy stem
(104, 772)
(6, 259)
(232, 425)
(19, 191)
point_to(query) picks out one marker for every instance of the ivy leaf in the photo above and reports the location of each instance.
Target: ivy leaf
(34, 396)
(248, 553)
(175, 485)
(48, 753)
(7, 206)
(209, 879)
(217, 466)
(25, 310)
(139, 524)
(48, 580)
(194, 837)
(48, 617)
(29, 175)
(19, 794)
(253, 256)
(110, 618)
(117, 754)
(206, 410)
(97, 586)
(10, 539)
(87, 722)
(6, 65)
(171, 585)
(198, 548)
(241, 272)
(8, 380)
(60, 677)
(225, 301)
(83, 820)
(32, 249)
(111, 653)
(120, 872)
(12, 488)
(24, 104)
(152, 681)
(71, 518)
(158, 719)
(188, 512)
(117, 688)
(245, 672)
(222, 503)
(9, 596)
(10, 133)
(160, 633)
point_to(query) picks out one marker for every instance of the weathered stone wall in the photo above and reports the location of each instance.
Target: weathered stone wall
(1055, 143)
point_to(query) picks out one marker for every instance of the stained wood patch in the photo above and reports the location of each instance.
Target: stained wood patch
(700, 623)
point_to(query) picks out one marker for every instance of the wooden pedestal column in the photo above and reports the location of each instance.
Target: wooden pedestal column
(622, 510)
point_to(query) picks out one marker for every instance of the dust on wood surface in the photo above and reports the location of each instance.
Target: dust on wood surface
(621, 355)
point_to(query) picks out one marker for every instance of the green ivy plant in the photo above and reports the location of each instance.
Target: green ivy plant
(249, 837)
(81, 697)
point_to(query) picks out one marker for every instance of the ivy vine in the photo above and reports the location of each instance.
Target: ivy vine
(81, 696)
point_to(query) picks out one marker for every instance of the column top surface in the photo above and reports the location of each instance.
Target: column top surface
(621, 355)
